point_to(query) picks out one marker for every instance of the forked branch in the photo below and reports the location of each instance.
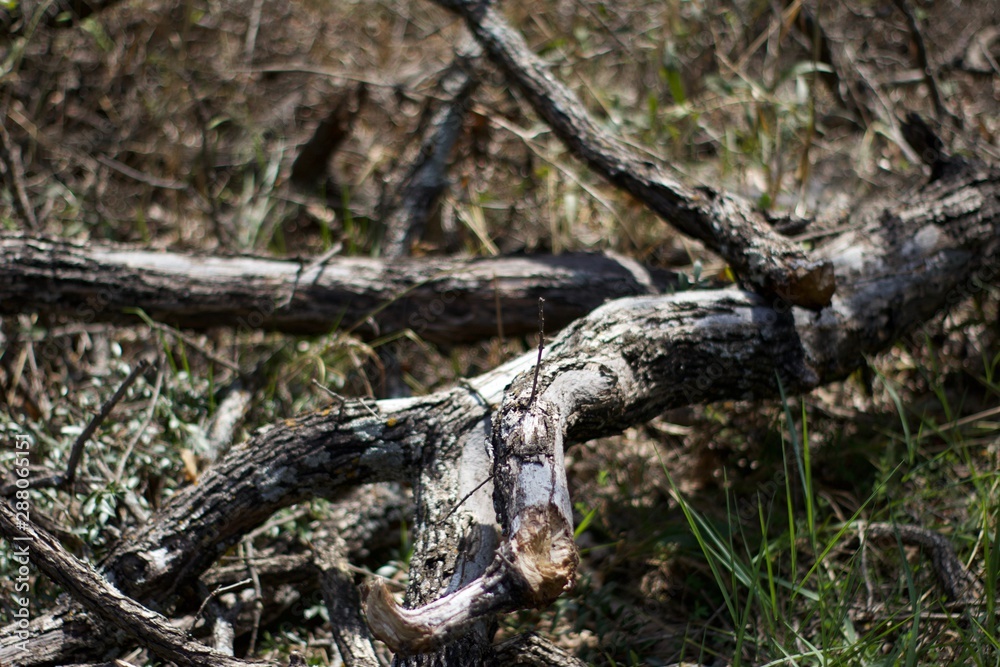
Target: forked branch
(632, 358)
(621, 365)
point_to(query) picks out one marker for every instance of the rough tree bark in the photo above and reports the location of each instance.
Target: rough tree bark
(630, 359)
(442, 300)
(493, 529)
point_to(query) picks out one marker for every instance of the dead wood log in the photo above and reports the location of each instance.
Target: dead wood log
(443, 300)
(726, 224)
(362, 520)
(623, 364)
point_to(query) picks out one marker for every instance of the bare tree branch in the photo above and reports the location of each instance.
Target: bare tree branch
(726, 224)
(101, 598)
(621, 365)
(350, 631)
(442, 300)
(425, 178)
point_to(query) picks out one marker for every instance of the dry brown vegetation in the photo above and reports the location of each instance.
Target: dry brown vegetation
(171, 124)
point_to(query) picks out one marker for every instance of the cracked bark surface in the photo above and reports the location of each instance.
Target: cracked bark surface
(442, 300)
(622, 364)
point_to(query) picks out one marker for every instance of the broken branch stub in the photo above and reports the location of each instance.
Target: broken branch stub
(537, 559)
(531, 494)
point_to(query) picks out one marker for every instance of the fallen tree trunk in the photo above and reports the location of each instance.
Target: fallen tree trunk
(443, 300)
(621, 365)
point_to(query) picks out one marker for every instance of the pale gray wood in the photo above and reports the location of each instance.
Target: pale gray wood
(443, 300)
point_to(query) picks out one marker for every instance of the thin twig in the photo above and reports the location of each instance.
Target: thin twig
(965, 421)
(218, 591)
(252, 29)
(150, 412)
(258, 603)
(343, 400)
(77, 452)
(274, 522)
(191, 342)
(305, 269)
(465, 498)
(541, 346)
(11, 157)
(140, 176)
(496, 304)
